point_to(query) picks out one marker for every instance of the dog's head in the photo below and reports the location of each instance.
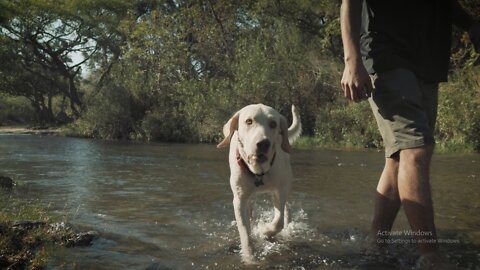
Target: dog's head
(260, 129)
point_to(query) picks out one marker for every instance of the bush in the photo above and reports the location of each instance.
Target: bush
(167, 124)
(107, 116)
(350, 125)
(15, 110)
(458, 125)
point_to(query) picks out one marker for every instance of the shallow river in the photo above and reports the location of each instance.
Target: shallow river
(169, 206)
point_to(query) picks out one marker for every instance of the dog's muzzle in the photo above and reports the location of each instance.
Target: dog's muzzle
(262, 151)
(257, 159)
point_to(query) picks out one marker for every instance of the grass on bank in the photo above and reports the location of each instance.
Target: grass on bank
(26, 248)
(457, 145)
(320, 143)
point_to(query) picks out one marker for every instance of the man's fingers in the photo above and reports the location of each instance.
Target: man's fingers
(356, 88)
(353, 94)
(361, 93)
(346, 92)
(368, 88)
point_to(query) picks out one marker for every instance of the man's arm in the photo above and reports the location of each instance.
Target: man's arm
(355, 77)
(465, 22)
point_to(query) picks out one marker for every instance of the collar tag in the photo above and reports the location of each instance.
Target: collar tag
(259, 180)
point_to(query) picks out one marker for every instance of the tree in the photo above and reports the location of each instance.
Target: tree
(35, 87)
(42, 37)
(186, 64)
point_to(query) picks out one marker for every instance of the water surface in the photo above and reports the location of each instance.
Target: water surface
(169, 206)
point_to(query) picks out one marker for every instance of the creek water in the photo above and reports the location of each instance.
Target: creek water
(169, 206)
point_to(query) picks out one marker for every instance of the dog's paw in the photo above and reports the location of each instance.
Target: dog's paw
(249, 259)
(247, 255)
(270, 230)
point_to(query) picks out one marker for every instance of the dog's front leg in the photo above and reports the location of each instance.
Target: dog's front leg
(280, 217)
(240, 206)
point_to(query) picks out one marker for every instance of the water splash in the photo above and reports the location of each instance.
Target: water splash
(297, 230)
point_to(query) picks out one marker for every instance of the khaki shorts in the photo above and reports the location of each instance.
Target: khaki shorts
(405, 109)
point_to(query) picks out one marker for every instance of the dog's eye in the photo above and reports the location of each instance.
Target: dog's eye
(273, 124)
(249, 121)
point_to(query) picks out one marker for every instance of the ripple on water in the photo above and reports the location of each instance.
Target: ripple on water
(166, 206)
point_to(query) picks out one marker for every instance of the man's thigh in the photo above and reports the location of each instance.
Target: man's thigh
(405, 109)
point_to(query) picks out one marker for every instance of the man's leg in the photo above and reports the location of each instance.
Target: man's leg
(415, 194)
(405, 109)
(387, 201)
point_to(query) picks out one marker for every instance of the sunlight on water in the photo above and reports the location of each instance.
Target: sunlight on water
(167, 206)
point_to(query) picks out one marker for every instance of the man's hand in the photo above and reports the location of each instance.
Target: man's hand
(356, 83)
(474, 34)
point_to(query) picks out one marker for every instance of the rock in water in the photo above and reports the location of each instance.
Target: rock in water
(6, 182)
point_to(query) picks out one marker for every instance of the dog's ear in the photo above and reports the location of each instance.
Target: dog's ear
(284, 131)
(228, 130)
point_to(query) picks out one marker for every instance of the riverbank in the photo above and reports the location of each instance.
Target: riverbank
(29, 235)
(29, 130)
(304, 142)
(29, 244)
(444, 147)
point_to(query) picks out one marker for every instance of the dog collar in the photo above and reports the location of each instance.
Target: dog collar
(243, 165)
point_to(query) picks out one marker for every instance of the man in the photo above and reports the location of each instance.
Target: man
(396, 53)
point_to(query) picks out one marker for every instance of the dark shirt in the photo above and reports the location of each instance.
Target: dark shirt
(413, 34)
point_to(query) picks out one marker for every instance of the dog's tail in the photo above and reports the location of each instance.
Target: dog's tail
(295, 129)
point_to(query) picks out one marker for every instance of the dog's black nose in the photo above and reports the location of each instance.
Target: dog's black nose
(263, 145)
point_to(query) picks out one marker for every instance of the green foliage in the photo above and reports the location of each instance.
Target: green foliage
(39, 41)
(107, 116)
(177, 70)
(358, 128)
(13, 209)
(15, 110)
(30, 246)
(166, 125)
(458, 125)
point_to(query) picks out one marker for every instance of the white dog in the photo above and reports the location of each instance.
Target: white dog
(259, 160)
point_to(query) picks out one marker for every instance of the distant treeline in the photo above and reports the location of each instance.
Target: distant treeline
(176, 70)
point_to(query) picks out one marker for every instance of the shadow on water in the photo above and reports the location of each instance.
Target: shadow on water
(167, 206)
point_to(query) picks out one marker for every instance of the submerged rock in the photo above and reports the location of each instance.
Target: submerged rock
(72, 238)
(60, 232)
(24, 242)
(6, 182)
(81, 239)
